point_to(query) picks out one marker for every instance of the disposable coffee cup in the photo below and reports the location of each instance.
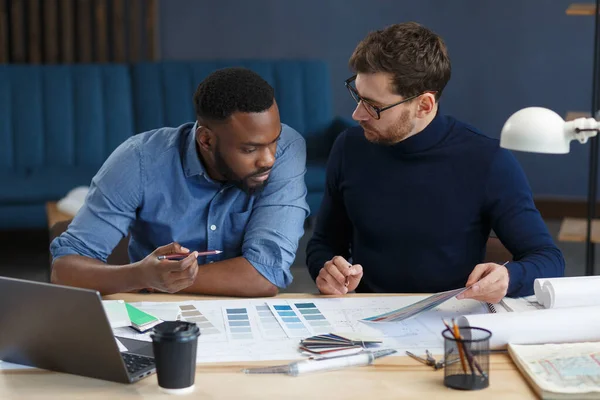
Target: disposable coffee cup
(175, 344)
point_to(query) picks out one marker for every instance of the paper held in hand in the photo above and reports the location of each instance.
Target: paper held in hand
(415, 308)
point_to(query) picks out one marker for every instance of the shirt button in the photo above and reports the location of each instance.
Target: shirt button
(213, 227)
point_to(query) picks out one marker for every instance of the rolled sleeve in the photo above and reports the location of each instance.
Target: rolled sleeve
(109, 208)
(277, 220)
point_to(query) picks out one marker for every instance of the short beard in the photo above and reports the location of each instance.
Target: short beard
(397, 132)
(241, 183)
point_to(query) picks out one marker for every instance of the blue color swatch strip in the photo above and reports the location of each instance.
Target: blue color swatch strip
(239, 323)
(312, 315)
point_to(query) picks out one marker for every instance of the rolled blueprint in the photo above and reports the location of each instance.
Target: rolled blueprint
(568, 292)
(560, 325)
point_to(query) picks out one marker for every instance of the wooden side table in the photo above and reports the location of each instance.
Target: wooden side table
(54, 215)
(575, 230)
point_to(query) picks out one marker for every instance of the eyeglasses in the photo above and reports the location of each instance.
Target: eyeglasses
(374, 111)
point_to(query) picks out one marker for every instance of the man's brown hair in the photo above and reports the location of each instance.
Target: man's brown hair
(416, 58)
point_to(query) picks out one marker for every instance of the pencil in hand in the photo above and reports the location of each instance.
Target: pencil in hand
(181, 256)
(347, 282)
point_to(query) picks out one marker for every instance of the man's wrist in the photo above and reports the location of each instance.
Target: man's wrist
(135, 276)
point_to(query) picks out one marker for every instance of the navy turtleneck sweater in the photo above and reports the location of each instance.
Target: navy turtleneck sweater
(417, 215)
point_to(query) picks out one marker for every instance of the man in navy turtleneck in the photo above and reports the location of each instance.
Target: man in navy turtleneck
(412, 195)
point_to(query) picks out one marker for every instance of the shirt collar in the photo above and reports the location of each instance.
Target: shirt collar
(191, 159)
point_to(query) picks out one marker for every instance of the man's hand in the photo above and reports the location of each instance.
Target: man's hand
(489, 283)
(338, 276)
(169, 276)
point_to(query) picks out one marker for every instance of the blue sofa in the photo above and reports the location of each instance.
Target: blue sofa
(59, 123)
(57, 126)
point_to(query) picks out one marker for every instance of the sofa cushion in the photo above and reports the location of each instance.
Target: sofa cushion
(163, 92)
(40, 184)
(67, 115)
(58, 124)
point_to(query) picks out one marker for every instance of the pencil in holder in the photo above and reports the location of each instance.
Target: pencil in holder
(467, 360)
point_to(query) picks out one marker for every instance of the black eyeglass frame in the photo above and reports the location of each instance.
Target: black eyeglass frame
(357, 97)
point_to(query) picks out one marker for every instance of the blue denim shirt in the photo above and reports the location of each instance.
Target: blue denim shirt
(155, 186)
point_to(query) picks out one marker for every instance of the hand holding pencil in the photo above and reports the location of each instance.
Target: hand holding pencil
(167, 276)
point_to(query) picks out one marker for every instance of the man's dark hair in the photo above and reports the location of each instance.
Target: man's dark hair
(416, 58)
(231, 90)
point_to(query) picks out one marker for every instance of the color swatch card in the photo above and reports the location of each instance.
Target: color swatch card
(313, 317)
(300, 319)
(415, 308)
(141, 320)
(269, 325)
(237, 323)
(190, 313)
(332, 343)
(290, 320)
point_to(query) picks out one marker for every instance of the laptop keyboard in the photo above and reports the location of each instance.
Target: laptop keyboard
(135, 363)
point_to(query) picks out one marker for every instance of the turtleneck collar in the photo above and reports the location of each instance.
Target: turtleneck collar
(433, 134)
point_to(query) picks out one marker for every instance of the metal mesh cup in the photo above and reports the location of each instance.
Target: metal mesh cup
(467, 361)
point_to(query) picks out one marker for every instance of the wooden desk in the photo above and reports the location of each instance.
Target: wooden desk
(389, 378)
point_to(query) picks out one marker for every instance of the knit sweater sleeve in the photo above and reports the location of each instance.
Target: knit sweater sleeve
(333, 230)
(513, 216)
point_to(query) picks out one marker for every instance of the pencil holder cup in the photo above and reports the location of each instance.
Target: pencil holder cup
(467, 360)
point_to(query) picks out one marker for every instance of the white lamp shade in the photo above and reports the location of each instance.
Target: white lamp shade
(536, 130)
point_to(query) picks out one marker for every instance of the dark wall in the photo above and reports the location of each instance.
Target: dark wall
(506, 55)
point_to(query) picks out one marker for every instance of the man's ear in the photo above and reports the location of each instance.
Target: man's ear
(205, 138)
(426, 104)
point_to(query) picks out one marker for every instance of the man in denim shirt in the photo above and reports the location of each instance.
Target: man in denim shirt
(233, 181)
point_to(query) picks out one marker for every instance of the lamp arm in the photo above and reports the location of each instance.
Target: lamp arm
(581, 129)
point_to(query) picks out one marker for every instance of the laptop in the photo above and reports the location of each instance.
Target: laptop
(65, 329)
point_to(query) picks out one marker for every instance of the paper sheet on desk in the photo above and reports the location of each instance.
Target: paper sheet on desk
(247, 330)
(116, 313)
(561, 325)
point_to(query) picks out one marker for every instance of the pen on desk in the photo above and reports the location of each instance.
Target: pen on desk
(181, 256)
(323, 364)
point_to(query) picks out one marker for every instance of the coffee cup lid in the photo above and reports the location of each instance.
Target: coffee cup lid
(178, 330)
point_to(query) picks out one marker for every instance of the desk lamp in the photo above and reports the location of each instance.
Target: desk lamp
(540, 130)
